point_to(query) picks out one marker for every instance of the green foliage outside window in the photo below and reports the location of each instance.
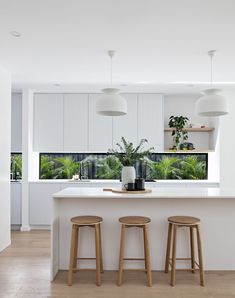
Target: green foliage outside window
(165, 166)
(188, 168)
(16, 166)
(58, 168)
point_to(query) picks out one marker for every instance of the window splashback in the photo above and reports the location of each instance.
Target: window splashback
(16, 166)
(159, 166)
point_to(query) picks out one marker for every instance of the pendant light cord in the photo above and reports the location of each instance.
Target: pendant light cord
(211, 54)
(211, 69)
(111, 70)
(111, 53)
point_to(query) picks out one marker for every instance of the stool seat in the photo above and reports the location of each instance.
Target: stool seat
(184, 220)
(134, 220)
(86, 220)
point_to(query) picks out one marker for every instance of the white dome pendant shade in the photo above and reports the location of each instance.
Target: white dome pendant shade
(111, 103)
(211, 104)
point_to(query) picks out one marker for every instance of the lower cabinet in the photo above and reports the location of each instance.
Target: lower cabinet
(40, 202)
(15, 203)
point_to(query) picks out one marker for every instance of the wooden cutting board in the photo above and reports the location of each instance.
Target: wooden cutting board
(119, 190)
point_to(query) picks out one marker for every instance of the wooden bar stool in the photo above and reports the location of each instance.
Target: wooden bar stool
(192, 223)
(79, 222)
(140, 222)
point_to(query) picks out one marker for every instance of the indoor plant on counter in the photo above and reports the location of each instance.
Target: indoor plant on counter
(128, 155)
(178, 123)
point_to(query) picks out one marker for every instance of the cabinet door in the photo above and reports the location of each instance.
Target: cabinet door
(16, 122)
(40, 202)
(150, 120)
(15, 203)
(126, 126)
(48, 122)
(75, 122)
(100, 128)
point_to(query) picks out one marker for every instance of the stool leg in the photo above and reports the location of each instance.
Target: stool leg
(192, 249)
(147, 256)
(72, 255)
(101, 255)
(174, 255)
(145, 263)
(98, 256)
(121, 256)
(168, 249)
(75, 261)
(199, 243)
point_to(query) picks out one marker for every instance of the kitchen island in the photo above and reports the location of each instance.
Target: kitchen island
(214, 206)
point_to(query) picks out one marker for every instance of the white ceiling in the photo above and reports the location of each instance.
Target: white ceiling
(161, 45)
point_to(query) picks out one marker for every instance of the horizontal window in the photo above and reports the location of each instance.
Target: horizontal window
(16, 166)
(157, 166)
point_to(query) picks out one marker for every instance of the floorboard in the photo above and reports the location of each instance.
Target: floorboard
(25, 271)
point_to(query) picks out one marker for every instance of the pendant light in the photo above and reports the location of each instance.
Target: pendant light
(111, 103)
(211, 104)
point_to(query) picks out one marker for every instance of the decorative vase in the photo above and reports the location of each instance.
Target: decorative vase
(128, 175)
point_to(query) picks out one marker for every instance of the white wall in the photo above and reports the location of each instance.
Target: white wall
(227, 139)
(5, 149)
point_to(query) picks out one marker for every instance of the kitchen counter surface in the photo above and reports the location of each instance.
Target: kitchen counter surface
(157, 193)
(117, 182)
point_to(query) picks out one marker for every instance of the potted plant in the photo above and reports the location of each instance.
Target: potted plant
(128, 155)
(178, 123)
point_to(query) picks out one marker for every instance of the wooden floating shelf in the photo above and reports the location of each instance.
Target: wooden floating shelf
(192, 129)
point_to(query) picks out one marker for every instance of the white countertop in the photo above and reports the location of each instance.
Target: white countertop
(104, 181)
(157, 193)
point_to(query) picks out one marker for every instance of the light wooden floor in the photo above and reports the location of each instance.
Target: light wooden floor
(24, 273)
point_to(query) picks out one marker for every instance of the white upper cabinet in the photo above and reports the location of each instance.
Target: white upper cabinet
(69, 123)
(100, 128)
(75, 122)
(127, 126)
(16, 122)
(151, 120)
(48, 122)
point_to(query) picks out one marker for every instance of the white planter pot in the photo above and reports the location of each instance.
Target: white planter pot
(128, 175)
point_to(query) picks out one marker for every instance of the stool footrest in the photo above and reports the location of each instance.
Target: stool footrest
(184, 269)
(86, 258)
(86, 269)
(133, 259)
(183, 259)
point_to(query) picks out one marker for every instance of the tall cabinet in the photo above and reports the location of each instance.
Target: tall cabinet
(127, 126)
(75, 115)
(100, 128)
(48, 122)
(151, 120)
